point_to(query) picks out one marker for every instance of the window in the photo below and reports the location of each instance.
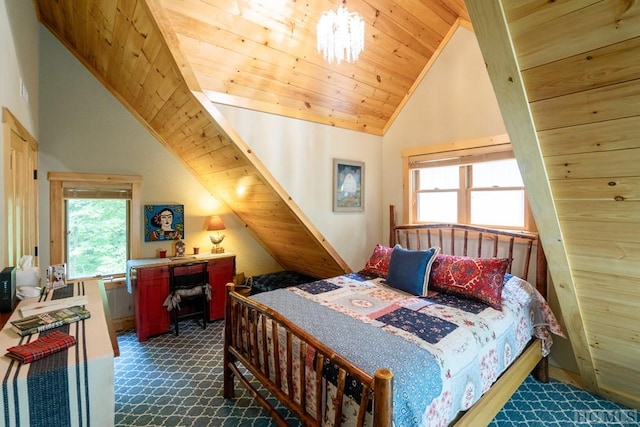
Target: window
(92, 223)
(96, 231)
(472, 185)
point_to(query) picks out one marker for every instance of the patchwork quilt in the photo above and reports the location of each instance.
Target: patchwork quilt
(444, 351)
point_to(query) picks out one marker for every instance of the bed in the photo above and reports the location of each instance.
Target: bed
(365, 348)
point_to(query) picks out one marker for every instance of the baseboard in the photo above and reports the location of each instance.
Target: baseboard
(565, 376)
(124, 323)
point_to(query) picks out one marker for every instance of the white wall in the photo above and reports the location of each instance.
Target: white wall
(85, 129)
(300, 156)
(454, 102)
(18, 60)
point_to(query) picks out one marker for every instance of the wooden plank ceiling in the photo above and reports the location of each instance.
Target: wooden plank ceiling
(567, 78)
(166, 60)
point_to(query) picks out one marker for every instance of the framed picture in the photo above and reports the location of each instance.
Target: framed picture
(163, 222)
(348, 186)
(57, 276)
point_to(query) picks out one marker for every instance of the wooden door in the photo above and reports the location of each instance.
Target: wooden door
(21, 190)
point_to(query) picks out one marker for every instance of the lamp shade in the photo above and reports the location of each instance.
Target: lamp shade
(215, 223)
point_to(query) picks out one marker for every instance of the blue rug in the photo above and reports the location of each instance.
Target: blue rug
(557, 404)
(177, 381)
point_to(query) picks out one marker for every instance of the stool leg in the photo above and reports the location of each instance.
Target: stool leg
(204, 308)
(175, 315)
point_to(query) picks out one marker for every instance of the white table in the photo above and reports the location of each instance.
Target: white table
(74, 387)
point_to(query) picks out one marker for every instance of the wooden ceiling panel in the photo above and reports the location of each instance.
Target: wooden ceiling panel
(594, 260)
(288, 88)
(596, 164)
(597, 189)
(609, 135)
(271, 63)
(610, 211)
(615, 63)
(590, 106)
(607, 22)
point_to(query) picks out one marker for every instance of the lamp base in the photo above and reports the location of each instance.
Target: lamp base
(217, 250)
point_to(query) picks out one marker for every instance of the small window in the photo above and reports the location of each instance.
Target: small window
(447, 203)
(498, 173)
(480, 186)
(496, 195)
(97, 231)
(93, 224)
(439, 178)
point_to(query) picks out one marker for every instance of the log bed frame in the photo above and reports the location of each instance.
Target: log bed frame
(245, 319)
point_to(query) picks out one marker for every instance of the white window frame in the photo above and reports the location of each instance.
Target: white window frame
(457, 153)
(61, 181)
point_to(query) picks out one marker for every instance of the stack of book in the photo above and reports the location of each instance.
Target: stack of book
(49, 319)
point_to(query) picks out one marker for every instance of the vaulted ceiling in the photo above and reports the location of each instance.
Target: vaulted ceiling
(168, 60)
(262, 54)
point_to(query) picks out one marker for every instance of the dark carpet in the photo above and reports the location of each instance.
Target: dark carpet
(177, 381)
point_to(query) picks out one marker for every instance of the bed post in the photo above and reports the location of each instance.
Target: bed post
(392, 225)
(227, 374)
(383, 398)
(541, 371)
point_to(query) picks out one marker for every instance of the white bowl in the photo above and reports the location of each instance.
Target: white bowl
(27, 292)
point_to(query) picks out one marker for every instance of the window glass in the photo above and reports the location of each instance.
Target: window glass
(97, 231)
(500, 173)
(479, 185)
(443, 177)
(438, 207)
(498, 208)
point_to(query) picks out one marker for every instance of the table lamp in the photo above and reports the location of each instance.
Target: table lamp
(216, 224)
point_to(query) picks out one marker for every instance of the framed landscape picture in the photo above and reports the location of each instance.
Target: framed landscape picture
(348, 186)
(163, 222)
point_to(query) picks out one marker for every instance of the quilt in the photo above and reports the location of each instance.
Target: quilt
(445, 351)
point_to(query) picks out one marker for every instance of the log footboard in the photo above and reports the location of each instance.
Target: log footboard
(261, 340)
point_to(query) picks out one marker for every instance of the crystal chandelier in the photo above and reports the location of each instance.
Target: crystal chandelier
(340, 35)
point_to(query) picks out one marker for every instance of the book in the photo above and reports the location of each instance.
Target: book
(43, 346)
(41, 307)
(49, 320)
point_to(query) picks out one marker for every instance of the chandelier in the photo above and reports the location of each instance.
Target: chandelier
(340, 35)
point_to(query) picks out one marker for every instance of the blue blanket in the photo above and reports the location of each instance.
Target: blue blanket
(416, 373)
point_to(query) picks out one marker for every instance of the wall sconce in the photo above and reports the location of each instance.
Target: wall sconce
(216, 224)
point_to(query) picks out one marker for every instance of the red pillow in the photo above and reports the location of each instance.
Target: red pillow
(476, 278)
(378, 264)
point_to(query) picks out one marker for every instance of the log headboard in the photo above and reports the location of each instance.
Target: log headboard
(521, 247)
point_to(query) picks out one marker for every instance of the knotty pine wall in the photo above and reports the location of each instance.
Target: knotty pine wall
(567, 80)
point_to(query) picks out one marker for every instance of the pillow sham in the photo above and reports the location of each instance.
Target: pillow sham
(409, 270)
(378, 264)
(476, 278)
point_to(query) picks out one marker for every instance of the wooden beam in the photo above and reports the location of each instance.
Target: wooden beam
(495, 42)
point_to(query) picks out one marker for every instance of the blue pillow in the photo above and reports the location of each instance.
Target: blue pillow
(409, 270)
